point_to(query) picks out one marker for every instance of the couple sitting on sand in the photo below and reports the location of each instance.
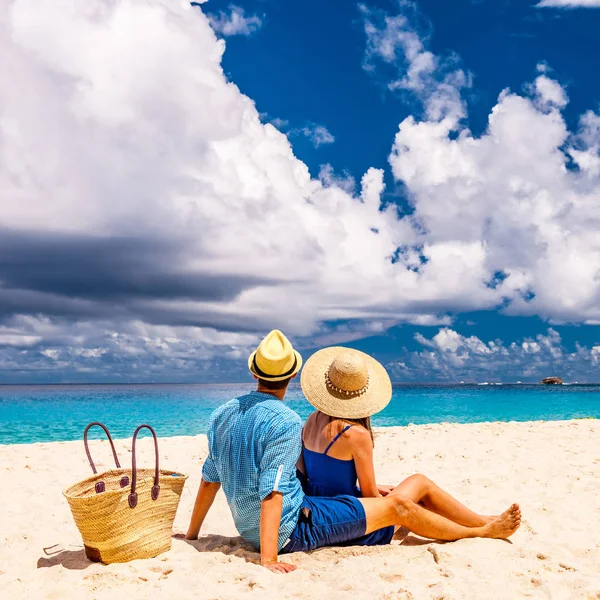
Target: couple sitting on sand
(292, 488)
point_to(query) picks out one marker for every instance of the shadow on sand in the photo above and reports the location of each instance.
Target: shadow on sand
(236, 546)
(406, 538)
(75, 560)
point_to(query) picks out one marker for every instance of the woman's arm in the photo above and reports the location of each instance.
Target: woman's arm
(300, 464)
(362, 453)
(307, 428)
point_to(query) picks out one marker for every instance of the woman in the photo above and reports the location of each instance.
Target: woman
(347, 387)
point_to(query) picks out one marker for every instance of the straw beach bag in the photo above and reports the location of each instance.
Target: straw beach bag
(124, 514)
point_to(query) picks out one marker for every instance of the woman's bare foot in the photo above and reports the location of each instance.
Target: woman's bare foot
(483, 521)
(504, 525)
(489, 518)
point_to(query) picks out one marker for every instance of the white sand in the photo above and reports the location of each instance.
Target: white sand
(552, 469)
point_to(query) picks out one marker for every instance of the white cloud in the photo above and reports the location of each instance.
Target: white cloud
(394, 39)
(279, 123)
(568, 4)
(18, 340)
(451, 356)
(235, 22)
(135, 351)
(550, 92)
(317, 134)
(585, 150)
(329, 178)
(505, 203)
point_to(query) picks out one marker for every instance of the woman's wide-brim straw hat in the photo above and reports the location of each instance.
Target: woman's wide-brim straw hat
(275, 359)
(346, 383)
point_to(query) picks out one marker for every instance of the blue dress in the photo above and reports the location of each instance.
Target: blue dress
(327, 476)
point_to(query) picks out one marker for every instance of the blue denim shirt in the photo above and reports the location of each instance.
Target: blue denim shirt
(253, 445)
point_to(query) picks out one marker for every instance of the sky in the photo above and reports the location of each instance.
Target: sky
(418, 180)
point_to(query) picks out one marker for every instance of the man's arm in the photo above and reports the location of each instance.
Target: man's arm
(204, 500)
(270, 519)
(277, 469)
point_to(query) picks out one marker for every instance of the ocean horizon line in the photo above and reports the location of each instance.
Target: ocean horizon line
(292, 384)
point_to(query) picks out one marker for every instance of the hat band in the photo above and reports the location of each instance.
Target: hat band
(352, 394)
(264, 375)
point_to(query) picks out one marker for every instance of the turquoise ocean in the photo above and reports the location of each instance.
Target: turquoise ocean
(48, 413)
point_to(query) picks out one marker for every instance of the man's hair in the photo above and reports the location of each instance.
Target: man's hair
(274, 385)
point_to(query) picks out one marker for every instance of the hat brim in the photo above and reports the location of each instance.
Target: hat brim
(275, 377)
(334, 404)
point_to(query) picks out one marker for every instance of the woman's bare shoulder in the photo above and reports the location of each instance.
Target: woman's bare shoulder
(310, 419)
(309, 424)
(359, 435)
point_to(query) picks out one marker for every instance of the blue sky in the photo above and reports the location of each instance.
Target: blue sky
(419, 180)
(305, 65)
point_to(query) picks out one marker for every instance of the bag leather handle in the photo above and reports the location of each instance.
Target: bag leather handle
(100, 487)
(133, 497)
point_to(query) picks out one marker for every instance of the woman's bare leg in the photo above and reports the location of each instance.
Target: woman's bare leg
(423, 491)
(397, 509)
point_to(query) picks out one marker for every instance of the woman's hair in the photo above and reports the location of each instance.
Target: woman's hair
(364, 422)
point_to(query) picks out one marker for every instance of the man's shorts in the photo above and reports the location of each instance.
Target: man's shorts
(337, 521)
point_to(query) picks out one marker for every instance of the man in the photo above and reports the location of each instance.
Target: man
(254, 443)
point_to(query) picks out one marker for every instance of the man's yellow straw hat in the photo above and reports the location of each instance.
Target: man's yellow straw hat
(275, 359)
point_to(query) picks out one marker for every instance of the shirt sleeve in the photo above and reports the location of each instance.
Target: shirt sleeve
(278, 464)
(209, 471)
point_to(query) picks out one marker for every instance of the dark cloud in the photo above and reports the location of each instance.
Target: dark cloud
(108, 268)
(81, 276)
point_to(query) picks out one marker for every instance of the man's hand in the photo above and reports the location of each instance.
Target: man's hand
(185, 536)
(279, 567)
(384, 490)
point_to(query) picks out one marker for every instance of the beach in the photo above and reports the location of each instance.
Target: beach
(551, 468)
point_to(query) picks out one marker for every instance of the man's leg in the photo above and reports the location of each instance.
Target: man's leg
(396, 509)
(423, 491)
